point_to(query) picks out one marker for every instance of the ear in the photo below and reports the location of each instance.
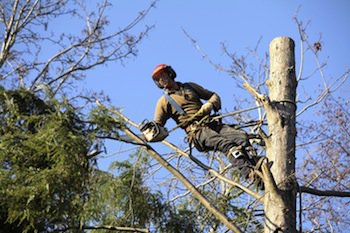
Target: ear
(171, 72)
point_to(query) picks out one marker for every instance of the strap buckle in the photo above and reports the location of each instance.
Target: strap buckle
(236, 152)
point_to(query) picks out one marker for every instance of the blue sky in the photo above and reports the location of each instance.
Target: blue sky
(238, 24)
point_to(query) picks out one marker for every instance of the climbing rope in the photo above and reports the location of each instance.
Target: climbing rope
(219, 117)
(235, 113)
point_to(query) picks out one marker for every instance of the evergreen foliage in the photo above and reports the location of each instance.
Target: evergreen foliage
(129, 202)
(48, 181)
(44, 164)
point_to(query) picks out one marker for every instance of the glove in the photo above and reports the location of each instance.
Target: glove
(205, 109)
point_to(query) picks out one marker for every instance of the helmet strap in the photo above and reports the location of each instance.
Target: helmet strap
(157, 84)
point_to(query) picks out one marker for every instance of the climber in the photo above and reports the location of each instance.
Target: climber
(182, 102)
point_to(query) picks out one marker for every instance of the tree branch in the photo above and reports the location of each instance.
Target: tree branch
(269, 181)
(212, 171)
(202, 199)
(195, 192)
(326, 193)
(264, 100)
(122, 229)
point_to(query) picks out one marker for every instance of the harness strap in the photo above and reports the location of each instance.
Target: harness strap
(174, 104)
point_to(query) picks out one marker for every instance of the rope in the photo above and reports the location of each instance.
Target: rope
(235, 112)
(217, 117)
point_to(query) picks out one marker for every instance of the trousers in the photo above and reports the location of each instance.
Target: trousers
(219, 137)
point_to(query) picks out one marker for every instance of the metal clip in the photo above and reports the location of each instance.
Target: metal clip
(236, 152)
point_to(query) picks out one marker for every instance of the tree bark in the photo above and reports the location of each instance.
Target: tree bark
(280, 194)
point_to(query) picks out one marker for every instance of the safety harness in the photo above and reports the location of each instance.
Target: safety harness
(194, 126)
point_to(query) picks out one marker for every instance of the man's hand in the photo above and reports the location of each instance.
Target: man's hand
(205, 109)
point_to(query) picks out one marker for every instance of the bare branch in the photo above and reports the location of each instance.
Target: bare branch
(206, 203)
(302, 35)
(202, 53)
(200, 197)
(315, 48)
(73, 52)
(324, 193)
(213, 171)
(113, 228)
(269, 181)
(328, 90)
(193, 159)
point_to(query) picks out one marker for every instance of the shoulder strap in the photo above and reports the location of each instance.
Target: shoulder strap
(174, 104)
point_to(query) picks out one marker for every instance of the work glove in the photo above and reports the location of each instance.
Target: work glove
(205, 109)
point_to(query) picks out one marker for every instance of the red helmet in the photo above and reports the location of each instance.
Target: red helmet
(163, 68)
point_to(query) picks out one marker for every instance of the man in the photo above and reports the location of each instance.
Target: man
(183, 103)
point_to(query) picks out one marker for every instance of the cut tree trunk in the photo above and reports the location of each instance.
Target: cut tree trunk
(280, 195)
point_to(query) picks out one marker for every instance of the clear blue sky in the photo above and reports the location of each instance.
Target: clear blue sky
(238, 24)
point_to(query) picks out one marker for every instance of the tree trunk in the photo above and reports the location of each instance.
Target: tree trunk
(280, 197)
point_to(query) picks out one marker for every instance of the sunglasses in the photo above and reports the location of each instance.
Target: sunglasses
(161, 76)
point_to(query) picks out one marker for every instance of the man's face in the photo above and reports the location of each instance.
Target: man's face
(165, 81)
